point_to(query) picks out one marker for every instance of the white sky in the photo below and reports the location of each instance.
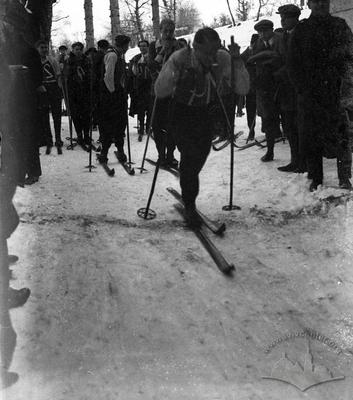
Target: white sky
(74, 26)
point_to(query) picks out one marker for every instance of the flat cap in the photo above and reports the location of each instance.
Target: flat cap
(263, 24)
(291, 10)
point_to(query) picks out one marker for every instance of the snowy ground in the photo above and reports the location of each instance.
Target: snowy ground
(123, 308)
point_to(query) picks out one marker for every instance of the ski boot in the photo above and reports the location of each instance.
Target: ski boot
(17, 298)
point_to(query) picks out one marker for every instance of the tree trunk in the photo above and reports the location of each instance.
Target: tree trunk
(89, 23)
(155, 18)
(115, 18)
(230, 12)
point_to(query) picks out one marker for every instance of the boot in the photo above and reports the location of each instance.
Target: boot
(12, 259)
(268, 156)
(102, 158)
(191, 217)
(345, 183)
(314, 185)
(289, 168)
(48, 149)
(121, 156)
(17, 298)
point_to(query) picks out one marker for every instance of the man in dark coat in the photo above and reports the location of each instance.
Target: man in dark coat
(267, 62)
(318, 58)
(113, 118)
(159, 53)
(286, 96)
(140, 88)
(78, 73)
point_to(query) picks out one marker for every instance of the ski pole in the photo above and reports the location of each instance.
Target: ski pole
(67, 104)
(148, 135)
(147, 213)
(128, 137)
(90, 166)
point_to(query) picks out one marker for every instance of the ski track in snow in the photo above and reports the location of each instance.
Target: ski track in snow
(123, 308)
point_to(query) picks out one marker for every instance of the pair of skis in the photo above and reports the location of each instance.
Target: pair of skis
(218, 229)
(173, 171)
(111, 171)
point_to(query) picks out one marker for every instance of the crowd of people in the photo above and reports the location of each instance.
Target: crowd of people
(298, 79)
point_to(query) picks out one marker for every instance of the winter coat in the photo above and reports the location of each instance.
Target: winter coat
(320, 53)
(267, 61)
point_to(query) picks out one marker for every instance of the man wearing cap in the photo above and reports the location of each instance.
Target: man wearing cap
(159, 53)
(319, 54)
(113, 118)
(267, 60)
(286, 96)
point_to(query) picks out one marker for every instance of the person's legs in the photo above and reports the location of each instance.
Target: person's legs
(290, 129)
(54, 96)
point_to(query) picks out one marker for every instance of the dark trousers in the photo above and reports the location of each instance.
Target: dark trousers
(191, 129)
(51, 101)
(112, 119)
(80, 112)
(289, 121)
(271, 128)
(250, 105)
(164, 140)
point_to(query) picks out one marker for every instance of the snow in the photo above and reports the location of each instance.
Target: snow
(123, 308)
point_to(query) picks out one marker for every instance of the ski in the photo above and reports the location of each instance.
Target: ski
(173, 171)
(130, 170)
(226, 141)
(212, 250)
(215, 227)
(110, 171)
(254, 143)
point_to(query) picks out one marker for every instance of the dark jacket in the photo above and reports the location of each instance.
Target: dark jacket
(318, 57)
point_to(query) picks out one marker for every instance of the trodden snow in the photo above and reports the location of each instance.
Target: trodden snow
(123, 308)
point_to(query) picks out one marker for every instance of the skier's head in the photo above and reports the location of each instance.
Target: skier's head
(289, 16)
(102, 45)
(167, 28)
(206, 45)
(77, 49)
(42, 48)
(183, 42)
(62, 50)
(143, 46)
(320, 8)
(122, 42)
(264, 29)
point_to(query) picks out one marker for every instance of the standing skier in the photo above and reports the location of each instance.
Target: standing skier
(140, 88)
(78, 73)
(113, 117)
(159, 53)
(51, 98)
(194, 79)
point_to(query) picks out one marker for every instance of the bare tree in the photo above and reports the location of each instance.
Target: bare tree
(221, 20)
(137, 10)
(187, 16)
(155, 18)
(89, 23)
(115, 18)
(243, 9)
(230, 13)
(261, 5)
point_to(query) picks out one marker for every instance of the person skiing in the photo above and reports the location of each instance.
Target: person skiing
(51, 98)
(159, 53)
(77, 71)
(140, 88)
(113, 118)
(195, 79)
(319, 56)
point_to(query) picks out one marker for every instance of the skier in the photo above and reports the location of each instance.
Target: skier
(113, 100)
(267, 61)
(286, 97)
(140, 88)
(319, 55)
(194, 79)
(51, 98)
(159, 52)
(77, 71)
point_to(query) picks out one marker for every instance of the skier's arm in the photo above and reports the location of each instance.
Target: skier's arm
(110, 61)
(294, 63)
(167, 78)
